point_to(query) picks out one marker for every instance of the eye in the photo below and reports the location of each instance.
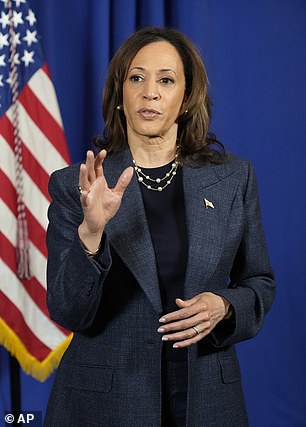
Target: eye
(136, 78)
(166, 80)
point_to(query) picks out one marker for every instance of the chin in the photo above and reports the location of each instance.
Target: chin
(150, 133)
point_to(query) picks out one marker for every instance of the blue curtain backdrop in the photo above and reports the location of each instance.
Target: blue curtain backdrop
(255, 53)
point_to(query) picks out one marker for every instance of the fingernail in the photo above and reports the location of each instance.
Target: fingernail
(162, 320)
(164, 338)
(175, 346)
(160, 330)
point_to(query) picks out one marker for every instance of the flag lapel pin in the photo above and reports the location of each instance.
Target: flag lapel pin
(208, 204)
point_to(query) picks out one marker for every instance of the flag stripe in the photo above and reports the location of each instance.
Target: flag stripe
(30, 164)
(42, 327)
(34, 288)
(45, 68)
(43, 119)
(41, 84)
(37, 143)
(9, 197)
(16, 322)
(35, 201)
(38, 262)
(36, 233)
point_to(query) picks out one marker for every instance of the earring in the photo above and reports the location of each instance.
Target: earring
(118, 107)
(186, 111)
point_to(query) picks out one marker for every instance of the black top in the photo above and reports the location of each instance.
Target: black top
(165, 211)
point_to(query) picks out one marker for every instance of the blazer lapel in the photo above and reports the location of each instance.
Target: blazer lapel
(130, 236)
(129, 233)
(206, 220)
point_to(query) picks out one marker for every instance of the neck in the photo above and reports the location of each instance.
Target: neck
(153, 152)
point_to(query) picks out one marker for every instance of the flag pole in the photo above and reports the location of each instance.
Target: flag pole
(15, 386)
(22, 231)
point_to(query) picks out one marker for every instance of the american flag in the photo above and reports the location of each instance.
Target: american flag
(32, 145)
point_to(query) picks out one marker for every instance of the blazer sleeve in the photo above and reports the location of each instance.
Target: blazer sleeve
(74, 280)
(251, 289)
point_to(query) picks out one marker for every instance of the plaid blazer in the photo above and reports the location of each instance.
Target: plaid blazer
(111, 373)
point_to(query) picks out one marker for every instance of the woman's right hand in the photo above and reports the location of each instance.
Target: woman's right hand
(99, 202)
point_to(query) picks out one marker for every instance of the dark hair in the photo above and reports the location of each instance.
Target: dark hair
(195, 144)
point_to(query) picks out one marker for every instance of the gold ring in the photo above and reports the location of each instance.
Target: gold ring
(196, 330)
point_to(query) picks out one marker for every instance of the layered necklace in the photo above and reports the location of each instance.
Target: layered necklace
(156, 184)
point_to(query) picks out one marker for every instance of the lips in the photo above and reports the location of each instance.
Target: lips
(148, 113)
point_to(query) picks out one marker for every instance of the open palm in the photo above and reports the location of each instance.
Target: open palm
(99, 202)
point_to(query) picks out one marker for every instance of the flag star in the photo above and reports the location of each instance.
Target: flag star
(30, 37)
(4, 20)
(31, 17)
(5, 3)
(3, 40)
(2, 60)
(17, 38)
(27, 57)
(16, 59)
(11, 78)
(18, 2)
(17, 18)
(1, 84)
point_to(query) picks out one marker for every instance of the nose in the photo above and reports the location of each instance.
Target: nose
(151, 97)
(150, 91)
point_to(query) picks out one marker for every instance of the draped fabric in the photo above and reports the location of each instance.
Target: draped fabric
(32, 146)
(256, 61)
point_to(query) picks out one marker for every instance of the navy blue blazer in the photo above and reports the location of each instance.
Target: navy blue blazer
(110, 374)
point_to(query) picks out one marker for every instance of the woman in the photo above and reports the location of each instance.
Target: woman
(157, 258)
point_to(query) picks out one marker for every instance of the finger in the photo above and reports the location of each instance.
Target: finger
(180, 336)
(184, 303)
(83, 178)
(103, 154)
(188, 337)
(183, 313)
(90, 164)
(184, 324)
(98, 163)
(188, 302)
(189, 342)
(123, 181)
(196, 301)
(88, 172)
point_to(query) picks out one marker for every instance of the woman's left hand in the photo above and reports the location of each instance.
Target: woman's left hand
(194, 320)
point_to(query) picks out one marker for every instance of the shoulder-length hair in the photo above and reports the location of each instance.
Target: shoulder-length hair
(195, 144)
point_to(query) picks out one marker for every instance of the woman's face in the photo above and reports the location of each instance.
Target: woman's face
(153, 91)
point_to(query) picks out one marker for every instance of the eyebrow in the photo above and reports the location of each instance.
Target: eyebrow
(163, 70)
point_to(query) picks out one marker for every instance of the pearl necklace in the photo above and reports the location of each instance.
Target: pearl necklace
(141, 176)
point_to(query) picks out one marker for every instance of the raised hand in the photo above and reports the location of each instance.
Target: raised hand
(99, 202)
